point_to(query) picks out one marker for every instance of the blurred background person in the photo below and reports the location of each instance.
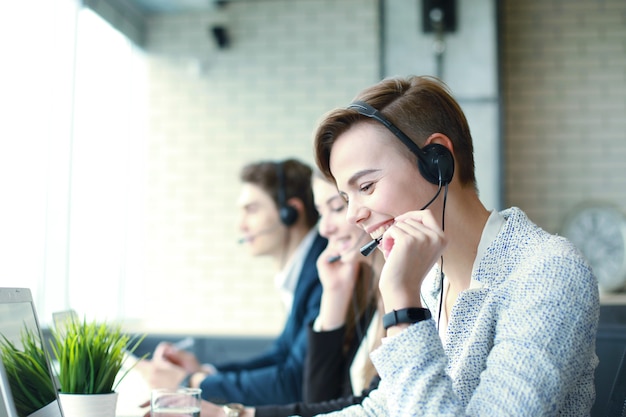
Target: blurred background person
(338, 371)
(278, 219)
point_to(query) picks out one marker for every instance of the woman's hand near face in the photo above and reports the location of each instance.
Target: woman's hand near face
(340, 275)
(411, 248)
(338, 280)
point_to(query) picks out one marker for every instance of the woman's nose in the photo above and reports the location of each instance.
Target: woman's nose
(356, 212)
(327, 227)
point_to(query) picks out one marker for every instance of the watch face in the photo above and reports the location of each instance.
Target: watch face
(600, 234)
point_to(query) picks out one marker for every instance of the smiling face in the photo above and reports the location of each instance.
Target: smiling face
(342, 236)
(376, 178)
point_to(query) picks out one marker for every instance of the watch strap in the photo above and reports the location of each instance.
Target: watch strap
(405, 315)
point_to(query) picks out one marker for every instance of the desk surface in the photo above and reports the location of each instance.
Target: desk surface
(132, 391)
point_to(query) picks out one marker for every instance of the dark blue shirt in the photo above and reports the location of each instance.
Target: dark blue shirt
(276, 376)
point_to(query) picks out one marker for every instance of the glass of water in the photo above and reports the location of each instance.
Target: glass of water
(176, 402)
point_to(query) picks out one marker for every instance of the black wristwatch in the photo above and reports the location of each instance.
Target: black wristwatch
(233, 409)
(405, 315)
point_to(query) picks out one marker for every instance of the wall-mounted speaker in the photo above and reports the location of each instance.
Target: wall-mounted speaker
(434, 11)
(220, 34)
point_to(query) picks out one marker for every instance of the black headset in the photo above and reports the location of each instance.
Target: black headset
(288, 214)
(434, 161)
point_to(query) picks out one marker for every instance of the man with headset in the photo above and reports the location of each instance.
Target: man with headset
(278, 219)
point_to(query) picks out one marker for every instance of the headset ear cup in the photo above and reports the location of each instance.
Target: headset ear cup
(440, 166)
(288, 215)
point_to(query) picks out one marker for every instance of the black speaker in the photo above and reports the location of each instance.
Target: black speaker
(439, 12)
(220, 34)
(288, 214)
(435, 161)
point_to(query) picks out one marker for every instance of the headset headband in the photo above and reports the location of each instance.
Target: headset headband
(366, 110)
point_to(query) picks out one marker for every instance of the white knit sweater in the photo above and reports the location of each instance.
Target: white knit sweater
(521, 345)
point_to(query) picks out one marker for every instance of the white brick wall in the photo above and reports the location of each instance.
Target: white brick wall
(213, 110)
(564, 73)
(564, 79)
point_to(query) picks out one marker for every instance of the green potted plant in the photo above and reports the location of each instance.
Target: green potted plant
(90, 356)
(27, 370)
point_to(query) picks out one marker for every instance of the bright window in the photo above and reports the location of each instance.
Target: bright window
(71, 159)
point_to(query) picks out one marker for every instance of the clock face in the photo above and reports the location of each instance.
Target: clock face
(600, 234)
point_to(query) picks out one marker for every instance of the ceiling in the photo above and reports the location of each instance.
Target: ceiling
(149, 7)
(130, 16)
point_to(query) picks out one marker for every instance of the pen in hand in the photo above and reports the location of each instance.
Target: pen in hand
(184, 344)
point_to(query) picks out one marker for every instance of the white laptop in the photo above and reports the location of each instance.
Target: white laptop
(18, 316)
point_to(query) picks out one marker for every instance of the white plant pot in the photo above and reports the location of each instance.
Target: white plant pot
(88, 405)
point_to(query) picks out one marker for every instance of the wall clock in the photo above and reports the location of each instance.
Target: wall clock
(599, 231)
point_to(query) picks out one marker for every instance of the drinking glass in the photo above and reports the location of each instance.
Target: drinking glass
(177, 402)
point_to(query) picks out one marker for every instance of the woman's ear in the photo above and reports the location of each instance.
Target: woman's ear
(438, 168)
(441, 139)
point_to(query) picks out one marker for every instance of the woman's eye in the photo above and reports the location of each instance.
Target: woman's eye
(338, 209)
(366, 187)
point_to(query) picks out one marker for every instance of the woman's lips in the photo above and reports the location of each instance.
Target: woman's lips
(342, 244)
(378, 232)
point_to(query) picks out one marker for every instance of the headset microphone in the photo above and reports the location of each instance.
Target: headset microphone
(335, 258)
(370, 246)
(253, 236)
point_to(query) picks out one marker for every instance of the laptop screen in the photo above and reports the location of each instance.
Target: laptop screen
(26, 380)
